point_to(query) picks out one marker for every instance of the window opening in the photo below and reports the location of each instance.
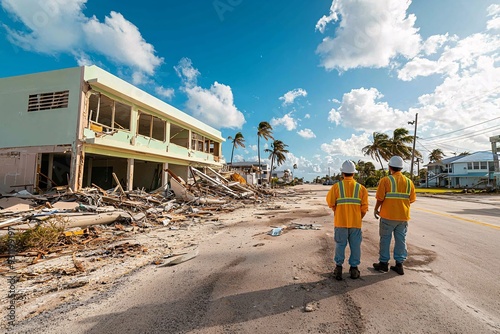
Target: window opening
(144, 127)
(108, 113)
(158, 131)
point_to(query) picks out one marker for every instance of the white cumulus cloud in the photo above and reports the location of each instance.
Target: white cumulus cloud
(459, 57)
(60, 27)
(306, 133)
(334, 116)
(370, 34)
(209, 105)
(287, 121)
(166, 93)
(290, 96)
(362, 110)
(350, 147)
(186, 71)
(494, 22)
(434, 42)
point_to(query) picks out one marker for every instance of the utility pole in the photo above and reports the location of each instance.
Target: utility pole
(494, 149)
(414, 140)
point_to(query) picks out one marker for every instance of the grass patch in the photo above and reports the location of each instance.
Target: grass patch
(431, 190)
(39, 238)
(437, 190)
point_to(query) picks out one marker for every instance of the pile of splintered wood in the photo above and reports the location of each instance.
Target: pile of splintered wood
(180, 200)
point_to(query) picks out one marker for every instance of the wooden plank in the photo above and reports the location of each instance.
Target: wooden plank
(118, 183)
(180, 259)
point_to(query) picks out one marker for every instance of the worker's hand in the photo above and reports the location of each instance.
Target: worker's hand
(376, 213)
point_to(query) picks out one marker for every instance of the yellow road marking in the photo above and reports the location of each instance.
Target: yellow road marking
(459, 218)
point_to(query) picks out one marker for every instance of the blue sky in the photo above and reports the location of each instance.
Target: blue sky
(326, 74)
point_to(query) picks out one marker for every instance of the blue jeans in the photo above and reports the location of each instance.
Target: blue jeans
(341, 237)
(386, 229)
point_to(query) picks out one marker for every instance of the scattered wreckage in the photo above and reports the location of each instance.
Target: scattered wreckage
(84, 228)
(175, 202)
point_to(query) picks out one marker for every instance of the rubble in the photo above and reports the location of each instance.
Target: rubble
(87, 228)
(95, 206)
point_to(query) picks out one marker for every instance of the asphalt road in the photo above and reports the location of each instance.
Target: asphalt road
(246, 281)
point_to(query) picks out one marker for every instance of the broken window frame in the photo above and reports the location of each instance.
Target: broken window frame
(96, 117)
(175, 131)
(197, 142)
(157, 126)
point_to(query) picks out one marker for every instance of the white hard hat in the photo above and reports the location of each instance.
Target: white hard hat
(348, 167)
(396, 161)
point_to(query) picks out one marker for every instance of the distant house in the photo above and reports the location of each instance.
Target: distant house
(283, 175)
(83, 126)
(251, 170)
(437, 172)
(476, 170)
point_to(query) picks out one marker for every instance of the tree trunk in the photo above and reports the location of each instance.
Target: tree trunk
(258, 153)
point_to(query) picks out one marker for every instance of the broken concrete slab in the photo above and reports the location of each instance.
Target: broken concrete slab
(65, 205)
(7, 202)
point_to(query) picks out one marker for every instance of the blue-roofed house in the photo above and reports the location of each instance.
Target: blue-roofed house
(476, 170)
(437, 172)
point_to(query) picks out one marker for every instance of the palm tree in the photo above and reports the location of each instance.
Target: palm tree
(464, 154)
(277, 153)
(238, 140)
(264, 130)
(436, 155)
(369, 169)
(360, 167)
(378, 149)
(399, 143)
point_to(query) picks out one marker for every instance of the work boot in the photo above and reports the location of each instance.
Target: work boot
(337, 273)
(354, 271)
(381, 266)
(398, 268)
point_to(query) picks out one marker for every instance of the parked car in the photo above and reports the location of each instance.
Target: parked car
(328, 183)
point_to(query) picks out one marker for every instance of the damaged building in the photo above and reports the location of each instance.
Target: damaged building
(82, 126)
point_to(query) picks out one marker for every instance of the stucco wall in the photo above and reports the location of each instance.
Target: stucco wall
(20, 128)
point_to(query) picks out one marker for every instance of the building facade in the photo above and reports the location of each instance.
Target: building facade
(476, 170)
(84, 126)
(437, 172)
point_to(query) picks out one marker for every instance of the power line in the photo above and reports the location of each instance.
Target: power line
(447, 133)
(469, 135)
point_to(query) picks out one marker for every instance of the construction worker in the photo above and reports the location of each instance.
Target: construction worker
(394, 195)
(349, 202)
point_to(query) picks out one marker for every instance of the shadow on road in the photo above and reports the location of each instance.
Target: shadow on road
(197, 310)
(492, 212)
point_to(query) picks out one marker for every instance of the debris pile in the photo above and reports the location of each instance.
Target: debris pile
(80, 219)
(95, 206)
(62, 236)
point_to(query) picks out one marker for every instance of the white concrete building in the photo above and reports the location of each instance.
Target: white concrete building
(78, 126)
